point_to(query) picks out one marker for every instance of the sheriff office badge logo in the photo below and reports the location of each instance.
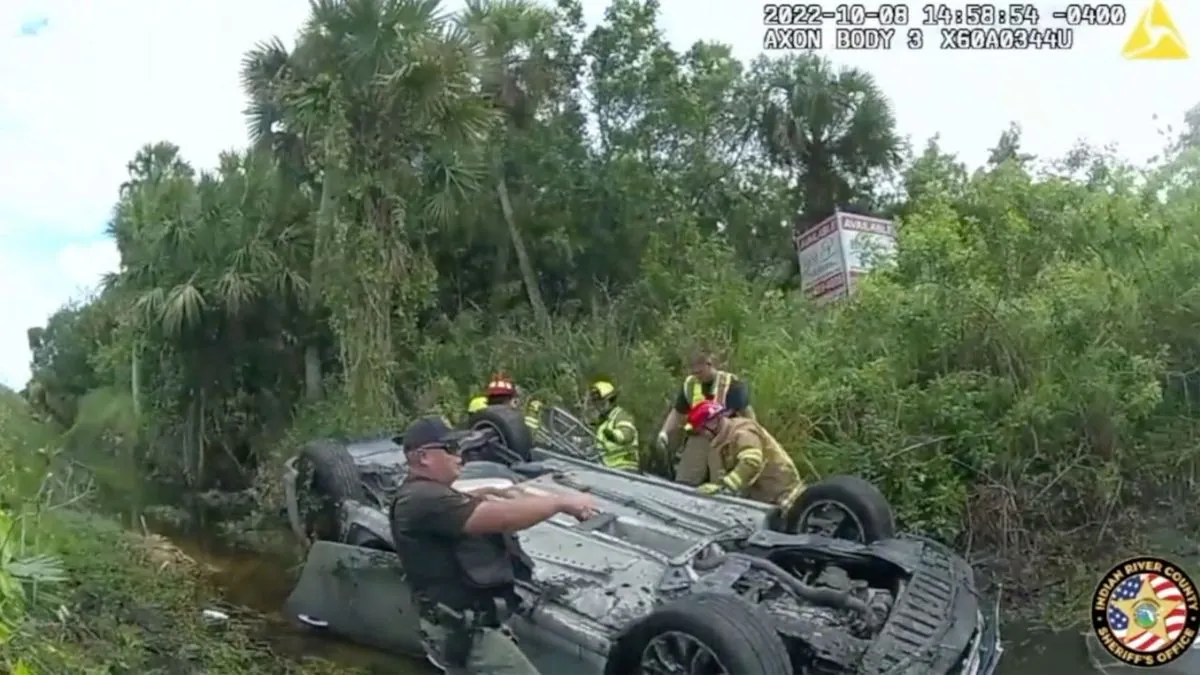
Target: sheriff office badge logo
(1146, 612)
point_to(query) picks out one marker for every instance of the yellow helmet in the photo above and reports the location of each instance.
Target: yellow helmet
(478, 403)
(603, 390)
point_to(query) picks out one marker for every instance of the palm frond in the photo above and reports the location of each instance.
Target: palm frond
(183, 309)
(237, 292)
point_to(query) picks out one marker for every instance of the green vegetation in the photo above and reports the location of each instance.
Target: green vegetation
(428, 199)
(80, 595)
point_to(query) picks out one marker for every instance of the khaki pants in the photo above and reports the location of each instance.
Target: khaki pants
(693, 461)
(695, 466)
(494, 651)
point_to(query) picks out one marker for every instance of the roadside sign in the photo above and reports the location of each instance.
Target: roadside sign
(839, 250)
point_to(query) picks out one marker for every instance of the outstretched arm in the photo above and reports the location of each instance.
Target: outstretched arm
(452, 513)
(511, 515)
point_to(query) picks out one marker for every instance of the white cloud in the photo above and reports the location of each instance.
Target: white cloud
(84, 265)
(77, 102)
(104, 78)
(34, 286)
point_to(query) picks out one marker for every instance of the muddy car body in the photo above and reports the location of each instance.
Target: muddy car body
(663, 578)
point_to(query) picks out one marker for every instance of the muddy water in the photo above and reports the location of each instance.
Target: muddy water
(1028, 651)
(262, 584)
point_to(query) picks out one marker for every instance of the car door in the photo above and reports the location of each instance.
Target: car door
(358, 593)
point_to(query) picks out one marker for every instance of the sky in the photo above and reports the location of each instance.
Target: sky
(83, 85)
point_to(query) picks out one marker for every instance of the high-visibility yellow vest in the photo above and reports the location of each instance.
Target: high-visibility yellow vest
(533, 415)
(621, 450)
(478, 403)
(694, 389)
(532, 412)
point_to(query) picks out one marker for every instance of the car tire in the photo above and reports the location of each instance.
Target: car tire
(509, 423)
(331, 479)
(857, 497)
(740, 635)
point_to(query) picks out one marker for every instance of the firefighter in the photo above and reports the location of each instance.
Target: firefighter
(502, 391)
(615, 429)
(744, 459)
(705, 383)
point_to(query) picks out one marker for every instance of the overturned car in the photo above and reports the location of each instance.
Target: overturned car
(664, 580)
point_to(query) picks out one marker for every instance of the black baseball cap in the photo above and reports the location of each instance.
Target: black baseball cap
(424, 431)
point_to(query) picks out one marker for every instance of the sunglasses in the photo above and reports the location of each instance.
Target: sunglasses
(447, 448)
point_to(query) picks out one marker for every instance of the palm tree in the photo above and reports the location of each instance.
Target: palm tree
(268, 69)
(202, 260)
(831, 129)
(382, 90)
(269, 73)
(516, 74)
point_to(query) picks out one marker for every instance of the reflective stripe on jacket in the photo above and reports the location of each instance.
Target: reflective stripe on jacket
(693, 388)
(533, 415)
(532, 412)
(618, 439)
(748, 460)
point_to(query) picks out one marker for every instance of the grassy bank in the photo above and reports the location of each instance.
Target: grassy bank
(133, 604)
(79, 594)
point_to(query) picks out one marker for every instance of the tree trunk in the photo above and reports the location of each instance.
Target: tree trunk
(500, 296)
(527, 273)
(200, 440)
(312, 372)
(135, 380)
(190, 441)
(326, 211)
(133, 446)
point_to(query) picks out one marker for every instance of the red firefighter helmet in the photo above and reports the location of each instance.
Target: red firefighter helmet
(501, 385)
(704, 412)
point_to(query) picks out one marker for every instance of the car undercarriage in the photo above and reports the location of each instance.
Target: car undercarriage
(667, 580)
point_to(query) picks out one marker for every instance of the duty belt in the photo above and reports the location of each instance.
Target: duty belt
(490, 612)
(462, 627)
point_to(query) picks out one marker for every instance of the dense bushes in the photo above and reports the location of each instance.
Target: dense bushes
(1023, 354)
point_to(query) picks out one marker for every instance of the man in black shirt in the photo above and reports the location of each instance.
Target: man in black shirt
(705, 382)
(461, 557)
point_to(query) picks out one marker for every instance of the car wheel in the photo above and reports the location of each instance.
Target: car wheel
(327, 477)
(509, 425)
(843, 507)
(702, 634)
